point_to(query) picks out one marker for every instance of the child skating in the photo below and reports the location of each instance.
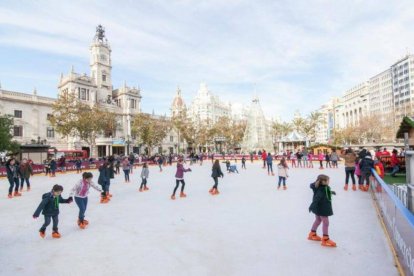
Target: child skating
(322, 208)
(216, 173)
(49, 207)
(179, 177)
(283, 173)
(144, 177)
(243, 162)
(81, 191)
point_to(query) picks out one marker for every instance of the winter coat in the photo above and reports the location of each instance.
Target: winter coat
(53, 165)
(394, 160)
(78, 188)
(50, 205)
(126, 165)
(366, 165)
(160, 161)
(12, 171)
(282, 171)
(104, 175)
(243, 160)
(334, 156)
(78, 163)
(264, 156)
(25, 170)
(111, 171)
(144, 173)
(180, 171)
(350, 159)
(379, 168)
(322, 200)
(357, 170)
(216, 171)
(327, 157)
(321, 157)
(269, 159)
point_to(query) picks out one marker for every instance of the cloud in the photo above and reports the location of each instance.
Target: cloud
(298, 54)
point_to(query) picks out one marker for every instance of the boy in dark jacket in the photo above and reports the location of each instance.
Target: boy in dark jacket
(50, 209)
(104, 180)
(13, 173)
(366, 164)
(216, 173)
(322, 208)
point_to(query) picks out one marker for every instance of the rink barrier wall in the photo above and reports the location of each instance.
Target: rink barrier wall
(38, 169)
(399, 223)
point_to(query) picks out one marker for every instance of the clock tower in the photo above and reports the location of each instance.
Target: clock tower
(100, 64)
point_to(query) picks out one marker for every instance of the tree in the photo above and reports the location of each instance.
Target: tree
(149, 130)
(73, 118)
(6, 128)
(298, 124)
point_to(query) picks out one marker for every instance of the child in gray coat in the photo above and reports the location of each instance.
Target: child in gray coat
(144, 177)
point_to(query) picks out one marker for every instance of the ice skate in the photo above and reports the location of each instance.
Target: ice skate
(346, 187)
(215, 192)
(42, 234)
(182, 194)
(16, 193)
(313, 236)
(56, 235)
(9, 196)
(327, 242)
(140, 189)
(81, 224)
(146, 188)
(284, 187)
(28, 189)
(361, 187)
(211, 191)
(354, 187)
(108, 195)
(173, 197)
(278, 187)
(366, 188)
(104, 199)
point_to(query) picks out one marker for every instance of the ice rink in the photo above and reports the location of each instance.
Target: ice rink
(251, 228)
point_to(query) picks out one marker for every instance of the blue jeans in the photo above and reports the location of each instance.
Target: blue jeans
(395, 169)
(22, 182)
(282, 179)
(82, 204)
(14, 182)
(126, 173)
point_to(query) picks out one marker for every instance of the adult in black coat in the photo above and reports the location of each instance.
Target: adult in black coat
(366, 165)
(215, 174)
(49, 207)
(104, 180)
(13, 175)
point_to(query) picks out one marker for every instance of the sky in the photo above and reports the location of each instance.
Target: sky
(295, 55)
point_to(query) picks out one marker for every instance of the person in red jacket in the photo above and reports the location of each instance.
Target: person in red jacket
(379, 168)
(264, 156)
(394, 163)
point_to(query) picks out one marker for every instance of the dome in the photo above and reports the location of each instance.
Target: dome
(178, 102)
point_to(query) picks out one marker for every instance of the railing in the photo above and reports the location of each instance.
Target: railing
(405, 194)
(398, 220)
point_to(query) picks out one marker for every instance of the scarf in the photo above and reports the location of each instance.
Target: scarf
(84, 188)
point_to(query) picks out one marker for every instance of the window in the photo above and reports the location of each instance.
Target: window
(133, 103)
(18, 114)
(50, 132)
(83, 94)
(171, 138)
(49, 116)
(103, 77)
(18, 131)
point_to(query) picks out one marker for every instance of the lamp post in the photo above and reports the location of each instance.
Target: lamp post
(128, 142)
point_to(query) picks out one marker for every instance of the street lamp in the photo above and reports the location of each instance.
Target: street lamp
(128, 142)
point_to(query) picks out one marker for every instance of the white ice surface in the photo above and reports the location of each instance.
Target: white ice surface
(249, 229)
